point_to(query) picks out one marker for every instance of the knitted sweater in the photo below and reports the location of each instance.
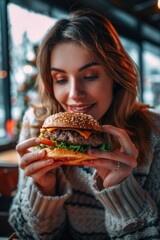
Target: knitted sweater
(79, 210)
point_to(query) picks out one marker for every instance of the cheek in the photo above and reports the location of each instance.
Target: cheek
(59, 94)
(104, 92)
(105, 98)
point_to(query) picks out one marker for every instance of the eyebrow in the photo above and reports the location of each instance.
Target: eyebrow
(80, 69)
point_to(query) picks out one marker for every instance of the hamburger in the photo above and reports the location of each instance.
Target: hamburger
(67, 136)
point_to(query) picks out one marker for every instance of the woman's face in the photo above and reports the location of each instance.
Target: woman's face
(80, 83)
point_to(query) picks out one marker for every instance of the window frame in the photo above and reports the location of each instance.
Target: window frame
(5, 58)
(5, 142)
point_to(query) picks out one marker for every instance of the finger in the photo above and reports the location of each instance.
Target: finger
(101, 163)
(51, 168)
(115, 177)
(30, 157)
(103, 174)
(115, 156)
(126, 144)
(40, 168)
(23, 146)
(105, 164)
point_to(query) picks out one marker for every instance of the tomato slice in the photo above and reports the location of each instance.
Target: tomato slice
(47, 141)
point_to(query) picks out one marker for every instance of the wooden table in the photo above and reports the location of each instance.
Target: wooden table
(9, 158)
(8, 186)
(8, 172)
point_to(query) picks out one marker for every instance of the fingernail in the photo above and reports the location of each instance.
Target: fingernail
(41, 152)
(37, 140)
(49, 161)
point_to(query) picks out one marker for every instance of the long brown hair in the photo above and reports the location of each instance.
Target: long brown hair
(95, 33)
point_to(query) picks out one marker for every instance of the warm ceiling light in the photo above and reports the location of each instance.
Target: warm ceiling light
(158, 4)
(3, 74)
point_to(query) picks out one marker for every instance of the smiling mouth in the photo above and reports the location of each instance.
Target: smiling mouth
(81, 108)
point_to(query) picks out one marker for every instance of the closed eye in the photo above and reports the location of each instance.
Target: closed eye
(90, 78)
(61, 81)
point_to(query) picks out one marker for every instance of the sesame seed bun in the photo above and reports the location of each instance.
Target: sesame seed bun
(72, 120)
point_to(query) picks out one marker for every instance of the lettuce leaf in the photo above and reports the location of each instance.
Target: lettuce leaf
(78, 148)
(75, 148)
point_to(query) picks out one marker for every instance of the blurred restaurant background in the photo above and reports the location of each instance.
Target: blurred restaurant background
(23, 23)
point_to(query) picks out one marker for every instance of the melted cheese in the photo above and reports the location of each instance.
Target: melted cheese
(42, 130)
(83, 133)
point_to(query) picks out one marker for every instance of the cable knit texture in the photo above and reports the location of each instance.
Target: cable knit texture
(127, 211)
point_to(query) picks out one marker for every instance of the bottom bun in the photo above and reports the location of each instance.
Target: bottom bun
(69, 157)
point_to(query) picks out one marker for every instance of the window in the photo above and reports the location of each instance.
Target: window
(151, 73)
(26, 30)
(2, 79)
(132, 49)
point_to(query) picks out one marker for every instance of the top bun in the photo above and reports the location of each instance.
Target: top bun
(72, 120)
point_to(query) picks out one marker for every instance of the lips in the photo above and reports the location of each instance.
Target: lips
(80, 108)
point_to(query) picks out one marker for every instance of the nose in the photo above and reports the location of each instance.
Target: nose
(76, 90)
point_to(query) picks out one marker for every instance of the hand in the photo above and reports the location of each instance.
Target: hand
(113, 167)
(37, 165)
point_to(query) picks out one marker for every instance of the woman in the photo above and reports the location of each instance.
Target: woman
(84, 68)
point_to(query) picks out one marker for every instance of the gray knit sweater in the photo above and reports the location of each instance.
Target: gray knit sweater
(129, 210)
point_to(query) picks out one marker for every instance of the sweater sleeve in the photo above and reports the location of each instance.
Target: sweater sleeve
(33, 215)
(132, 210)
